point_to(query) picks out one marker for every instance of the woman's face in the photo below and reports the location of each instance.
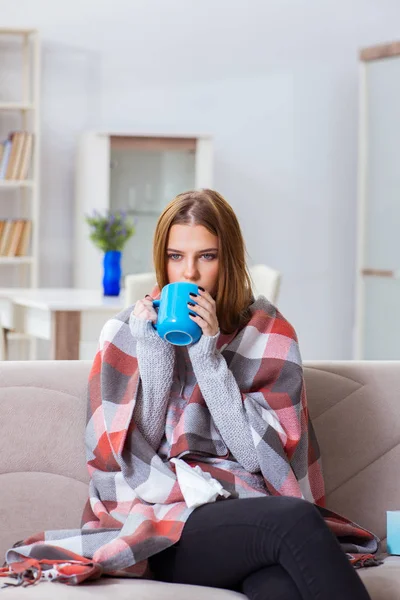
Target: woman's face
(192, 256)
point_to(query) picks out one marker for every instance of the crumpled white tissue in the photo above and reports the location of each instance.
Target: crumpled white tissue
(197, 487)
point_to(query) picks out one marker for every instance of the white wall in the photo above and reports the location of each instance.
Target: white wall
(275, 81)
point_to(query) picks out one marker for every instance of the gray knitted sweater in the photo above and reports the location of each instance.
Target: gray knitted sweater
(161, 364)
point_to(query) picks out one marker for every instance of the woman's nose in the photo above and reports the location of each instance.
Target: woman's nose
(190, 271)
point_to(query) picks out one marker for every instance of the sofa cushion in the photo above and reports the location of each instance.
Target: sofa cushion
(383, 582)
(123, 589)
(355, 409)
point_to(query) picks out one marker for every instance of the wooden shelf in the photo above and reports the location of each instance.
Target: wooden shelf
(16, 260)
(16, 183)
(14, 336)
(12, 31)
(24, 106)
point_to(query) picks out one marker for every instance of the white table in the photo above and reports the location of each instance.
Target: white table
(70, 318)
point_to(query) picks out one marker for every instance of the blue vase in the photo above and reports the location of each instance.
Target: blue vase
(112, 273)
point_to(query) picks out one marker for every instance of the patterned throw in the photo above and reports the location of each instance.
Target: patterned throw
(136, 507)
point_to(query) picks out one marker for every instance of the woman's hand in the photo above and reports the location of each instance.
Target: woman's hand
(145, 310)
(206, 312)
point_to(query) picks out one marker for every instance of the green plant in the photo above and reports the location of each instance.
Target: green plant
(111, 231)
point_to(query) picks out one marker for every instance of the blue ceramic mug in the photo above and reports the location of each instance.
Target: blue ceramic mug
(173, 322)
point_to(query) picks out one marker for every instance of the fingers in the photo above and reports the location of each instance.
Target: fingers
(200, 322)
(209, 328)
(200, 311)
(144, 309)
(205, 300)
(204, 308)
(206, 295)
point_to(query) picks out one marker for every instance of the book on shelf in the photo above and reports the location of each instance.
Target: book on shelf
(16, 155)
(26, 156)
(5, 158)
(15, 237)
(24, 241)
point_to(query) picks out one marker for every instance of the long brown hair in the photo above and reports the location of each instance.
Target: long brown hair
(208, 208)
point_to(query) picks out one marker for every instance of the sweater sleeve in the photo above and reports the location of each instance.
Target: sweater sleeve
(156, 367)
(224, 400)
(259, 406)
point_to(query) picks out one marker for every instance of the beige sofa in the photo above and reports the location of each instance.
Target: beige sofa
(355, 408)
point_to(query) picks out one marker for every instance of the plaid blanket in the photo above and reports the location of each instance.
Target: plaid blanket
(136, 507)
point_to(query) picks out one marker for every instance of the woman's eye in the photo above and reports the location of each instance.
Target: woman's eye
(206, 256)
(209, 256)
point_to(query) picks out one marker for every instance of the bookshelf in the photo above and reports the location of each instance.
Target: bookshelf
(19, 174)
(138, 173)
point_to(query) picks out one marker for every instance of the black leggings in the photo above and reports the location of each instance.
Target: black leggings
(274, 548)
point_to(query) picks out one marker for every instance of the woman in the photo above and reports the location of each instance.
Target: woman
(267, 546)
(231, 407)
